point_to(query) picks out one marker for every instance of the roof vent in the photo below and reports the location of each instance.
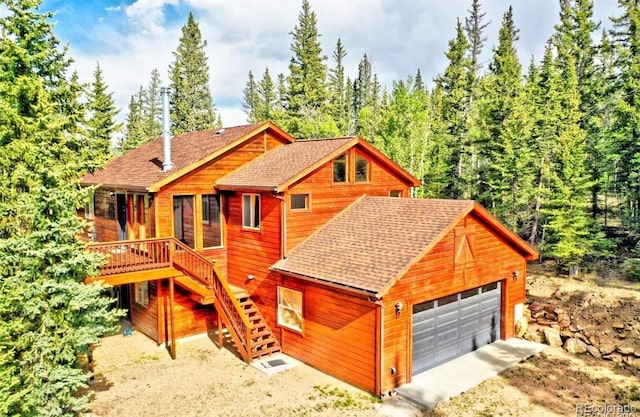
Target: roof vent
(220, 132)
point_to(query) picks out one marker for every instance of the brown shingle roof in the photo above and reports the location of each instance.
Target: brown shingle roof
(284, 163)
(369, 245)
(142, 167)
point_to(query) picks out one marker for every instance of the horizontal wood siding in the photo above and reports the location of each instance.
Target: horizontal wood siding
(339, 335)
(436, 275)
(252, 252)
(328, 199)
(105, 221)
(190, 317)
(145, 319)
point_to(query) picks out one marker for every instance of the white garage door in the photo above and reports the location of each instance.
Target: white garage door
(451, 326)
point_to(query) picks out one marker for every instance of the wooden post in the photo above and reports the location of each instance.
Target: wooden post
(172, 349)
(218, 310)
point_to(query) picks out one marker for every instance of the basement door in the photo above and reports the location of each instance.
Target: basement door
(454, 325)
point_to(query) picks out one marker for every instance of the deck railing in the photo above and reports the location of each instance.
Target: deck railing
(147, 254)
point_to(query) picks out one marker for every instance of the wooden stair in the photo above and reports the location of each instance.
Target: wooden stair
(263, 342)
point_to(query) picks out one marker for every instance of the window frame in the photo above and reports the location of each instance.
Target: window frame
(208, 221)
(359, 158)
(338, 160)
(90, 206)
(307, 202)
(254, 215)
(298, 312)
(141, 293)
(395, 193)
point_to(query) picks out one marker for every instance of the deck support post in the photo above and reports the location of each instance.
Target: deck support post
(172, 331)
(220, 339)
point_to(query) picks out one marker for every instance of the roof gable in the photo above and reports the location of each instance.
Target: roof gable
(141, 168)
(368, 246)
(281, 167)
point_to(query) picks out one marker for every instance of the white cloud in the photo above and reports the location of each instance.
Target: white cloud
(399, 36)
(113, 9)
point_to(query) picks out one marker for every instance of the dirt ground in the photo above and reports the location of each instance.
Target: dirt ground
(136, 378)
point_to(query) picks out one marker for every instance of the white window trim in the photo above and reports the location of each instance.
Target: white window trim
(252, 212)
(142, 293)
(307, 202)
(296, 313)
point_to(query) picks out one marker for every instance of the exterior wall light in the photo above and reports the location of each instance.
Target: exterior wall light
(515, 274)
(398, 308)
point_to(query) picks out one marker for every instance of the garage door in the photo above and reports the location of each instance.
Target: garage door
(451, 326)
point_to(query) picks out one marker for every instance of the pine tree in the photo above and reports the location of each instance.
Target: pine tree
(338, 90)
(47, 314)
(270, 107)
(502, 87)
(250, 99)
(101, 123)
(626, 39)
(135, 135)
(455, 84)
(474, 28)
(152, 107)
(307, 91)
(191, 103)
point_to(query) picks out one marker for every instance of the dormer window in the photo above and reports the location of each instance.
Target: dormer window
(340, 169)
(362, 169)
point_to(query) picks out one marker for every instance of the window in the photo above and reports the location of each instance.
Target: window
(299, 201)
(211, 221)
(362, 169)
(89, 207)
(251, 211)
(340, 168)
(183, 220)
(290, 308)
(142, 293)
(395, 193)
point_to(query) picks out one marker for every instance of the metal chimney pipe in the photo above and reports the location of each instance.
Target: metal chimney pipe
(166, 134)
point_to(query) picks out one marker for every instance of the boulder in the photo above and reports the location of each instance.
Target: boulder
(615, 357)
(617, 325)
(631, 361)
(593, 351)
(549, 308)
(566, 333)
(593, 340)
(607, 346)
(534, 336)
(574, 345)
(536, 306)
(625, 350)
(521, 326)
(552, 336)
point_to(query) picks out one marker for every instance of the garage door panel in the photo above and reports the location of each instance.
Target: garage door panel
(464, 323)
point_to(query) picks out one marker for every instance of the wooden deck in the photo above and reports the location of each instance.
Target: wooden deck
(167, 258)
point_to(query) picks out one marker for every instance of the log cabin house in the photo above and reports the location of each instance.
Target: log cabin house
(310, 247)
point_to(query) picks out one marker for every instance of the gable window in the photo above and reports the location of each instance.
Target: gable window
(362, 169)
(211, 221)
(290, 309)
(340, 168)
(395, 193)
(251, 211)
(299, 201)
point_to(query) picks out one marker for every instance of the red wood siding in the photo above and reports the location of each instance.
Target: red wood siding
(438, 274)
(252, 252)
(339, 335)
(328, 199)
(145, 319)
(190, 317)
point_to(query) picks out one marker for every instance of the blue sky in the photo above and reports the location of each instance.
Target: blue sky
(131, 38)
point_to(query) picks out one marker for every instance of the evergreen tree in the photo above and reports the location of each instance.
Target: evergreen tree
(101, 123)
(502, 87)
(47, 314)
(626, 38)
(307, 91)
(456, 85)
(135, 135)
(151, 107)
(192, 106)
(250, 99)
(338, 91)
(270, 108)
(474, 28)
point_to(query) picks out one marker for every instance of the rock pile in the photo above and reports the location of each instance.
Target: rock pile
(547, 323)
